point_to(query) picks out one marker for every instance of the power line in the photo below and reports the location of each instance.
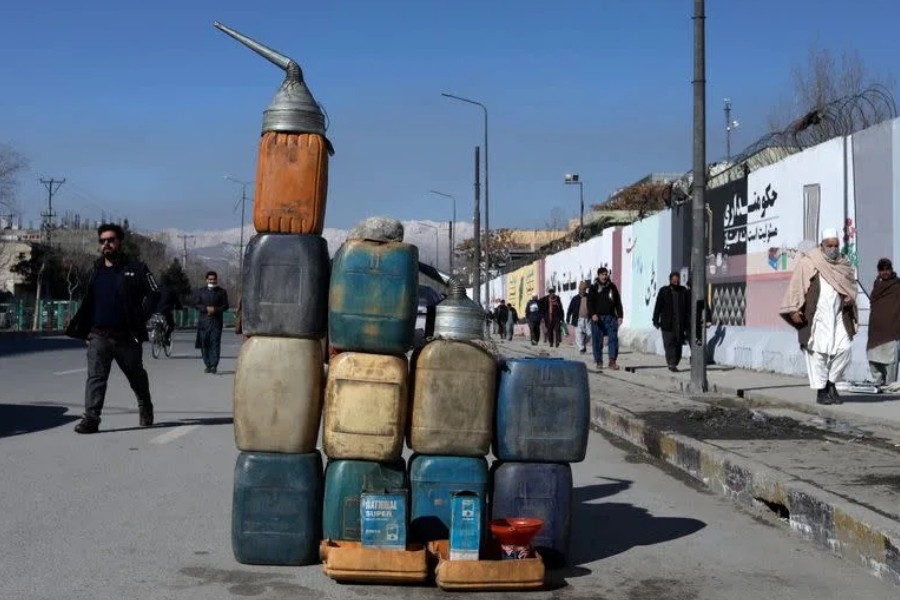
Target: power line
(184, 238)
(49, 215)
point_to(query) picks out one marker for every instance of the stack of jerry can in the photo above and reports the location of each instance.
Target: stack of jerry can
(279, 379)
(543, 412)
(372, 310)
(450, 429)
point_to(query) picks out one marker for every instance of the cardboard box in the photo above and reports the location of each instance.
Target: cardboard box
(466, 518)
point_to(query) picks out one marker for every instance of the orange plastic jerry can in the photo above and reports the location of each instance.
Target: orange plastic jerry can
(292, 169)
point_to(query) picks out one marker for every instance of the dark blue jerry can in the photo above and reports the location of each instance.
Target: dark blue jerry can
(543, 410)
(373, 297)
(276, 515)
(538, 490)
(286, 286)
(345, 481)
(433, 480)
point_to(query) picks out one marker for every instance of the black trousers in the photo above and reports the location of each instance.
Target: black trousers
(128, 354)
(673, 343)
(554, 335)
(535, 328)
(209, 337)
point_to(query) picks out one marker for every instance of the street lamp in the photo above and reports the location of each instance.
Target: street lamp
(572, 179)
(487, 196)
(243, 185)
(437, 244)
(452, 235)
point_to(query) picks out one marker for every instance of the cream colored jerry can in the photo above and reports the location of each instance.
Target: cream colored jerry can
(278, 394)
(454, 386)
(365, 406)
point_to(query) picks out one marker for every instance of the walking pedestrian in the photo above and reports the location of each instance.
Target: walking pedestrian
(821, 304)
(552, 309)
(606, 316)
(501, 314)
(212, 301)
(579, 316)
(672, 316)
(884, 325)
(534, 317)
(113, 320)
(511, 320)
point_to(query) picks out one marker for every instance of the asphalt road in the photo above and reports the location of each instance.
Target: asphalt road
(145, 513)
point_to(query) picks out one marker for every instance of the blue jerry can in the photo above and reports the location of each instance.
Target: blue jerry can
(433, 480)
(276, 515)
(286, 286)
(537, 490)
(373, 297)
(345, 481)
(543, 410)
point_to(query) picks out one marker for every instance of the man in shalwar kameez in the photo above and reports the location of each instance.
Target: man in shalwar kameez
(821, 304)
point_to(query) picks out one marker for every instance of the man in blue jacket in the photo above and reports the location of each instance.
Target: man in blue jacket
(113, 320)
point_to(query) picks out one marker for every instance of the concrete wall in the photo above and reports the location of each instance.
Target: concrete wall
(760, 225)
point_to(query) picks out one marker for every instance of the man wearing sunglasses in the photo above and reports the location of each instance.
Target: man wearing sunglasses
(112, 319)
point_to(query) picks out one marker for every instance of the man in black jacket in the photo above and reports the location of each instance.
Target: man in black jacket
(606, 316)
(113, 320)
(672, 316)
(212, 302)
(534, 316)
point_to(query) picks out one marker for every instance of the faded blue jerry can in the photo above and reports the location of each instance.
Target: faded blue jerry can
(286, 286)
(345, 481)
(433, 480)
(373, 297)
(537, 490)
(383, 517)
(466, 525)
(543, 410)
(276, 514)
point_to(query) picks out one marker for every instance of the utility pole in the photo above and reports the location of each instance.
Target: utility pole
(476, 285)
(184, 238)
(729, 126)
(49, 215)
(698, 208)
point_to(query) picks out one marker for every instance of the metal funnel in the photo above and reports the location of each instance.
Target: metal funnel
(293, 109)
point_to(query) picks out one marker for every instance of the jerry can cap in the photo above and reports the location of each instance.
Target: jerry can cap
(293, 109)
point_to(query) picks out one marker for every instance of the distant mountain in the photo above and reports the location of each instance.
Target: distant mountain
(217, 249)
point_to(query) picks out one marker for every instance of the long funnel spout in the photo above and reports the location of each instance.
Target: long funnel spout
(271, 55)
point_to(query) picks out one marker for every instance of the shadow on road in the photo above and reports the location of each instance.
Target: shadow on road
(17, 419)
(178, 423)
(616, 527)
(23, 345)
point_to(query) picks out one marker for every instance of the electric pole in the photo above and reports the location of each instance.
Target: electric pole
(184, 238)
(476, 285)
(698, 208)
(729, 126)
(49, 215)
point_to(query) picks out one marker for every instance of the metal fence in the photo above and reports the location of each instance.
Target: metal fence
(19, 316)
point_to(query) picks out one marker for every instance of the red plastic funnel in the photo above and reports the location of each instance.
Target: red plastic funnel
(518, 531)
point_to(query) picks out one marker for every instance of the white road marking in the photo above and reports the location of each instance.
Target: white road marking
(173, 434)
(71, 371)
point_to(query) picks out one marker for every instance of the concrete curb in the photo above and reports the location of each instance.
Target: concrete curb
(854, 533)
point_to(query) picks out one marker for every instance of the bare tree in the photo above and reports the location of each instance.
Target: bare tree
(11, 166)
(824, 79)
(557, 220)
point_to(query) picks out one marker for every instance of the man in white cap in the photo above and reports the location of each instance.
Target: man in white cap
(821, 304)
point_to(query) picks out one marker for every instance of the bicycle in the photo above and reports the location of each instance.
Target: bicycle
(157, 332)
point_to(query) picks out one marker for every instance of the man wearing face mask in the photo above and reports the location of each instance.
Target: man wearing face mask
(821, 304)
(212, 302)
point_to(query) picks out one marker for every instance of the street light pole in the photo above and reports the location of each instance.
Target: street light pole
(452, 233)
(573, 179)
(698, 231)
(243, 185)
(487, 184)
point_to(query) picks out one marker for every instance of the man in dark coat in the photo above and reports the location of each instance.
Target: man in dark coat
(884, 325)
(212, 302)
(113, 320)
(501, 314)
(552, 309)
(578, 315)
(606, 316)
(672, 316)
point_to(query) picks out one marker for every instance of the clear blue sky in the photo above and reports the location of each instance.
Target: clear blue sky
(143, 107)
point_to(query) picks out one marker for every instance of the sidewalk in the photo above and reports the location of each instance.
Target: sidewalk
(834, 480)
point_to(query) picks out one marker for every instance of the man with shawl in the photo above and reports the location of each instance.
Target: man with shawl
(884, 325)
(821, 304)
